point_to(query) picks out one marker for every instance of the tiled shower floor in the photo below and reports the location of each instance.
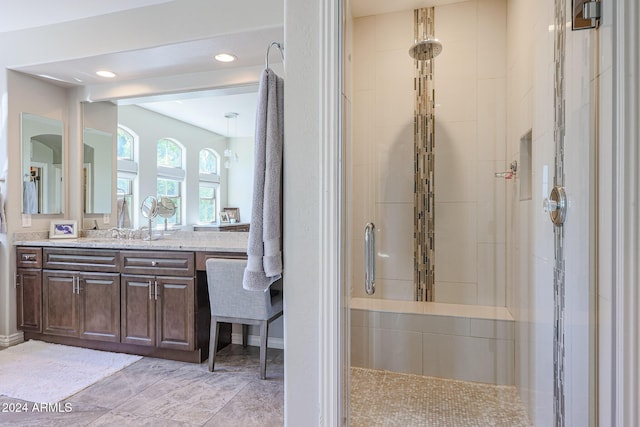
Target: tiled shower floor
(382, 398)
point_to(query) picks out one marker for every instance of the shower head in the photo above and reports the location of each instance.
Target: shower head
(425, 50)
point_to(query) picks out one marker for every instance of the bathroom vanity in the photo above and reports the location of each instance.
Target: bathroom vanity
(131, 296)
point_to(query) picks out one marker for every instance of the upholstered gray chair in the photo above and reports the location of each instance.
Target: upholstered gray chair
(231, 303)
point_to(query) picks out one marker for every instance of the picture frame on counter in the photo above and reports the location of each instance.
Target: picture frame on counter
(63, 229)
(234, 214)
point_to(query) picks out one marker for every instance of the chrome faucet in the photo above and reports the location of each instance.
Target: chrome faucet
(115, 233)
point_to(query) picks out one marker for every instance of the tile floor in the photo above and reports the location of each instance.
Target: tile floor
(155, 392)
(382, 398)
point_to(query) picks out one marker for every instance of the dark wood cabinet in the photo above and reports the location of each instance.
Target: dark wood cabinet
(159, 310)
(29, 299)
(99, 307)
(60, 305)
(175, 310)
(138, 307)
(82, 304)
(81, 293)
(29, 288)
(136, 301)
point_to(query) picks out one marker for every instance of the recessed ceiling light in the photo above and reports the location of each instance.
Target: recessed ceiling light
(105, 73)
(225, 57)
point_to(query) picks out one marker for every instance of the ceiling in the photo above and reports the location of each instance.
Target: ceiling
(205, 109)
(375, 7)
(23, 14)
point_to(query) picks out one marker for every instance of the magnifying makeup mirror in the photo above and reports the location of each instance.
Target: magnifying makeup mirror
(166, 209)
(149, 210)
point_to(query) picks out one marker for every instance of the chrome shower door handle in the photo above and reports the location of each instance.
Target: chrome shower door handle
(370, 258)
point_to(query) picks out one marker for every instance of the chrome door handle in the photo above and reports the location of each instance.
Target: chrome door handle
(156, 289)
(370, 258)
(556, 205)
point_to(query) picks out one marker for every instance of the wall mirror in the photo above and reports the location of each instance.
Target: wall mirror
(42, 144)
(215, 149)
(99, 121)
(97, 171)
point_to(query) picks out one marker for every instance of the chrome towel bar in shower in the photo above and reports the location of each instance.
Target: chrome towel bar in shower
(370, 258)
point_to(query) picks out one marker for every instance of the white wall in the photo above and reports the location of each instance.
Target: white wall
(470, 88)
(303, 285)
(78, 39)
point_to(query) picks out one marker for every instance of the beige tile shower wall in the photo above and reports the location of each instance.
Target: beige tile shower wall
(382, 151)
(462, 348)
(470, 77)
(470, 85)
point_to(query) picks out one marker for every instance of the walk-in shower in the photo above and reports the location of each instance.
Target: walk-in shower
(424, 146)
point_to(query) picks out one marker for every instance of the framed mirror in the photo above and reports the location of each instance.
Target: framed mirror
(97, 171)
(42, 146)
(99, 124)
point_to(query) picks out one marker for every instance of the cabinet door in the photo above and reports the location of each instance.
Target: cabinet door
(138, 310)
(175, 313)
(29, 299)
(60, 304)
(99, 295)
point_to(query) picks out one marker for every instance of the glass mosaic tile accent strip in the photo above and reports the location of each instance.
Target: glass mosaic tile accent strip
(424, 163)
(383, 398)
(558, 231)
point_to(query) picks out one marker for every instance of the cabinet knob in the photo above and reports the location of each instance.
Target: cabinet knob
(28, 257)
(154, 263)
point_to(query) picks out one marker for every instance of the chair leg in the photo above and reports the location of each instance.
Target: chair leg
(213, 342)
(264, 332)
(245, 334)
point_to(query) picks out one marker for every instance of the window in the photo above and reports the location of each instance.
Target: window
(209, 185)
(125, 144)
(208, 202)
(169, 154)
(172, 189)
(209, 161)
(171, 175)
(127, 171)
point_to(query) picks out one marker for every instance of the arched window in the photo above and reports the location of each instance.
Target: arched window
(126, 140)
(209, 184)
(127, 174)
(171, 175)
(169, 153)
(209, 161)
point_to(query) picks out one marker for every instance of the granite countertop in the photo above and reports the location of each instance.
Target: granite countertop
(171, 241)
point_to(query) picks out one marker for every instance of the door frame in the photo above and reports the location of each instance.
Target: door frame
(624, 225)
(623, 325)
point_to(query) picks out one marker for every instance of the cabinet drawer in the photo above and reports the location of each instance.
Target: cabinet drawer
(27, 257)
(202, 257)
(81, 259)
(158, 263)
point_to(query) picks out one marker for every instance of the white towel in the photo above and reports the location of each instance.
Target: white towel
(264, 263)
(124, 221)
(29, 198)
(3, 217)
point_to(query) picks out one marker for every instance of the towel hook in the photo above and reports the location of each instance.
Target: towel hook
(280, 48)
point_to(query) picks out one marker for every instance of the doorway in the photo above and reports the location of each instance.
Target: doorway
(494, 245)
